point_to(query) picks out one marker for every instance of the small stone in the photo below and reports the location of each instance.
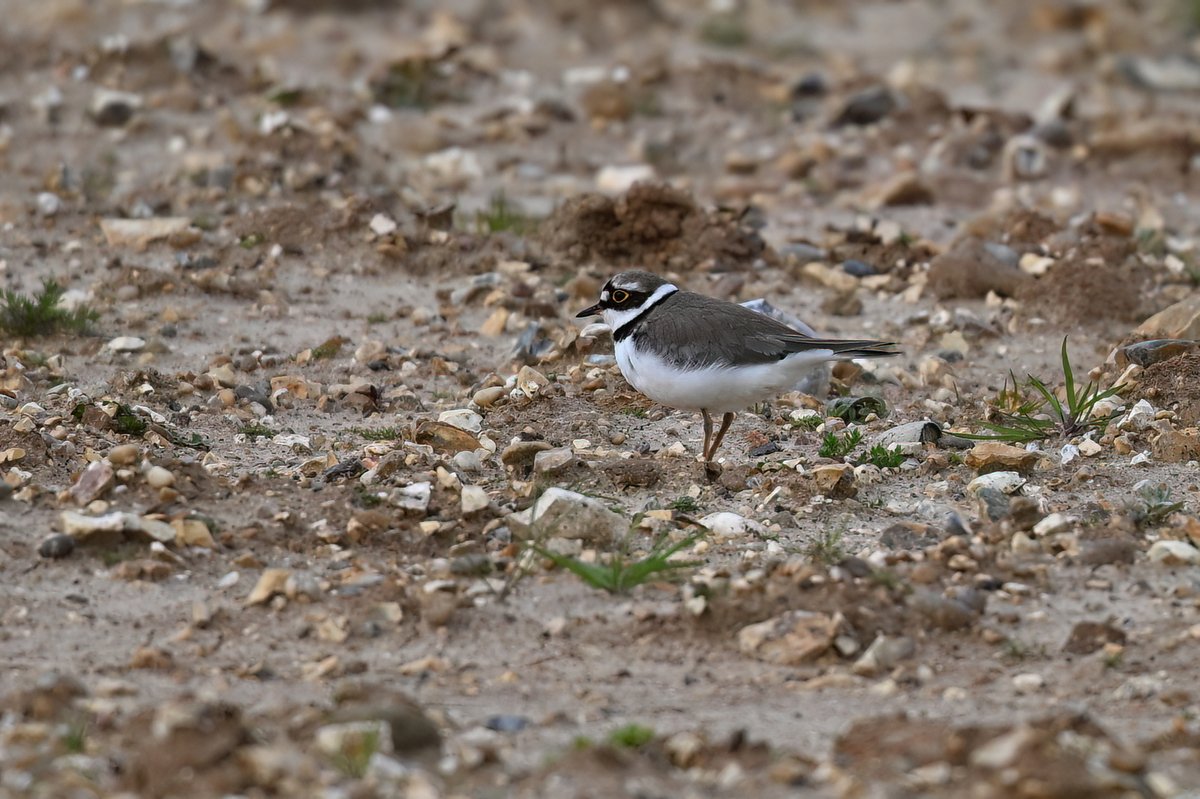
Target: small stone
(1089, 448)
(614, 179)
(472, 565)
(1174, 553)
(1140, 416)
(158, 477)
(1025, 158)
(1055, 523)
(446, 438)
(494, 324)
(993, 456)
(463, 419)
(487, 397)
(127, 344)
(520, 455)
(1028, 682)
(835, 480)
(945, 613)
(137, 233)
(553, 461)
(469, 462)
(113, 108)
(883, 654)
(124, 454)
(905, 188)
(867, 107)
(1004, 750)
(412, 498)
(193, 533)
(858, 268)
(1091, 636)
(48, 203)
(95, 481)
(993, 503)
(506, 723)
(382, 225)
(1004, 482)
(790, 639)
(530, 381)
(566, 514)
(57, 545)
(474, 499)
(272, 582)
(632, 472)
(727, 525)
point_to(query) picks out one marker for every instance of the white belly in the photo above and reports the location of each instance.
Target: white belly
(714, 388)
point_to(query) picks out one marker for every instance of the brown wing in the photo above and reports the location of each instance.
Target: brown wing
(704, 331)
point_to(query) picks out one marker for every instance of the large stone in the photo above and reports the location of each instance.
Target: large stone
(835, 480)
(446, 438)
(726, 525)
(566, 514)
(137, 233)
(412, 498)
(1004, 482)
(1174, 553)
(92, 484)
(112, 528)
(1174, 446)
(553, 461)
(789, 639)
(993, 456)
(1181, 320)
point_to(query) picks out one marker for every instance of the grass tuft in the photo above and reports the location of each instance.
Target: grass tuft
(354, 758)
(329, 348)
(254, 431)
(807, 422)
(39, 315)
(1037, 413)
(835, 446)
(378, 434)
(501, 216)
(1153, 506)
(826, 547)
(725, 30)
(631, 736)
(74, 737)
(620, 574)
(685, 504)
(884, 458)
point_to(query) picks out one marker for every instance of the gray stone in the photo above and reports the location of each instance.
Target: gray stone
(552, 461)
(566, 514)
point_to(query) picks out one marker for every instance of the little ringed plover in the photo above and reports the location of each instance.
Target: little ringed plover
(693, 352)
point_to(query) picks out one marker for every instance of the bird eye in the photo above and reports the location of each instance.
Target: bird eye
(619, 296)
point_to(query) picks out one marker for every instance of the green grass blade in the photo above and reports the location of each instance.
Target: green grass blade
(595, 576)
(1068, 377)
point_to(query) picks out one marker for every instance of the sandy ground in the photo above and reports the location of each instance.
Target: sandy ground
(241, 555)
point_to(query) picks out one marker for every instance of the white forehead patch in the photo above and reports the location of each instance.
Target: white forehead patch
(604, 296)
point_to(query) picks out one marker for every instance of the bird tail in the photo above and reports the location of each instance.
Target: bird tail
(860, 348)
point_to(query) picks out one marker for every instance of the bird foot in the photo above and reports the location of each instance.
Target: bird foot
(712, 470)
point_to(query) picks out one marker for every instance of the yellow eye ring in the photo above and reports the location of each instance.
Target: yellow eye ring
(619, 296)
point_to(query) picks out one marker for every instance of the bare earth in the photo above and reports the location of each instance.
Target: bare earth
(311, 228)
